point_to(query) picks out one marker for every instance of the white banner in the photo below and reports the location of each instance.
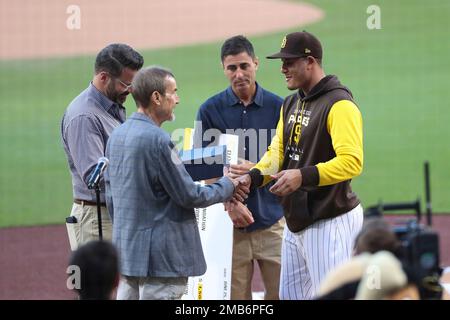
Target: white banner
(216, 234)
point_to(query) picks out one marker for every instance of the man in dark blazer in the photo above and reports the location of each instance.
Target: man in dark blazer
(151, 197)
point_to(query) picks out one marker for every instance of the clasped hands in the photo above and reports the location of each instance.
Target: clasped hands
(287, 181)
(239, 214)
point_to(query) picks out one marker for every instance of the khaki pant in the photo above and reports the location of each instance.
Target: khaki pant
(86, 227)
(151, 288)
(264, 246)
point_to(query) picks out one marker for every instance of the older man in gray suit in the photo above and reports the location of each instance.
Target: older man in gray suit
(151, 197)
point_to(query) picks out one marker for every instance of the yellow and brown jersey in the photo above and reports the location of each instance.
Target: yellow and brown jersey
(320, 134)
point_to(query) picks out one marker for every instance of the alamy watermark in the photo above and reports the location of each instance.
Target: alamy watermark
(74, 278)
(373, 274)
(253, 143)
(73, 21)
(373, 22)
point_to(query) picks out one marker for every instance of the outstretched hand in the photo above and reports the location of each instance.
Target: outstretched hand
(287, 182)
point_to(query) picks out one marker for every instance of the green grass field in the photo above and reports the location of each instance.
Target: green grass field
(399, 77)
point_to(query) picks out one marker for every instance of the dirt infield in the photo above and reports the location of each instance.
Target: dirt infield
(34, 260)
(33, 263)
(42, 29)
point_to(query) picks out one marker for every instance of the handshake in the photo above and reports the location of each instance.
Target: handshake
(239, 214)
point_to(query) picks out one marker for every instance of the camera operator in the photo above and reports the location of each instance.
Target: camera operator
(416, 247)
(376, 236)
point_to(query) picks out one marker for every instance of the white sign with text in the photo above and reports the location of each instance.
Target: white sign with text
(216, 234)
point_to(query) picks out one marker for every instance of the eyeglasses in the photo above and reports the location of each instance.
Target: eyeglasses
(127, 86)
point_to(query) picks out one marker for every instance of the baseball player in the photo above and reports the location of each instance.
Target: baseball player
(318, 148)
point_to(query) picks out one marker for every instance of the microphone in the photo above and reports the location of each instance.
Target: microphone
(96, 173)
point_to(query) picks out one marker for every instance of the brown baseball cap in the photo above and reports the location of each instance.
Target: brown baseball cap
(299, 44)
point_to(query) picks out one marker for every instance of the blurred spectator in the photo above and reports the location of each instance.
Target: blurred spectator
(369, 277)
(384, 278)
(342, 282)
(374, 272)
(98, 270)
(376, 235)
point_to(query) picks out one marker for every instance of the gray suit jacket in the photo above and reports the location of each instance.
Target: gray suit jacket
(150, 198)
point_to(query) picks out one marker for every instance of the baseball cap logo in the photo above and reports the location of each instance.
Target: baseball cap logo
(283, 43)
(301, 44)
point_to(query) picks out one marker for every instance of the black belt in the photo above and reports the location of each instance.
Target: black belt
(87, 203)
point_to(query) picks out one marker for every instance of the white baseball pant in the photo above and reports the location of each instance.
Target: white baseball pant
(308, 255)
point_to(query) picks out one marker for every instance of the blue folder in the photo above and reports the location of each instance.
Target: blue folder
(204, 163)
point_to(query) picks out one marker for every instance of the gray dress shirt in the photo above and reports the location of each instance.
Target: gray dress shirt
(85, 128)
